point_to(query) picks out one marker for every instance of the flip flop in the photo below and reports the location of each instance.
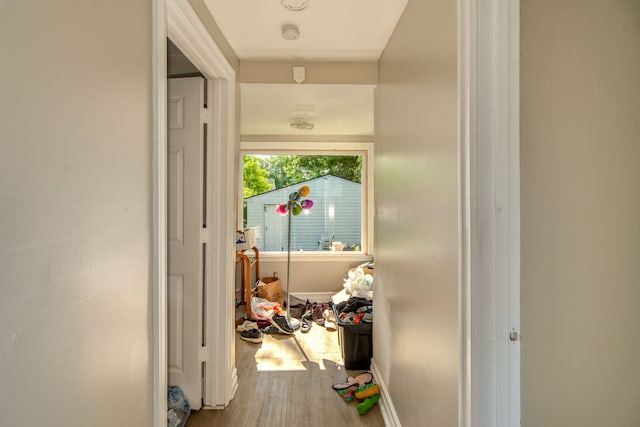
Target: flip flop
(359, 380)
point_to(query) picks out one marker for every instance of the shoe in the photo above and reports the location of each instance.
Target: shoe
(282, 324)
(305, 325)
(272, 330)
(252, 335)
(247, 325)
(329, 319)
(317, 314)
(296, 310)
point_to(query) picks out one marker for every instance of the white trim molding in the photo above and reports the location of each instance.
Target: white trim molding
(386, 405)
(187, 32)
(346, 147)
(159, 248)
(177, 20)
(490, 213)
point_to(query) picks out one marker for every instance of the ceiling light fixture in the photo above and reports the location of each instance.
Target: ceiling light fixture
(295, 5)
(301, 124)
(290, 32)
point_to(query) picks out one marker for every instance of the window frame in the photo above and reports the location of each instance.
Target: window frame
(364, 149)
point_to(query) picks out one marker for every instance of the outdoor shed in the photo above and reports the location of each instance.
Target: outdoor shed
(335, 216)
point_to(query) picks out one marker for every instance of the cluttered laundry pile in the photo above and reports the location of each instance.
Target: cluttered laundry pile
(353, 305)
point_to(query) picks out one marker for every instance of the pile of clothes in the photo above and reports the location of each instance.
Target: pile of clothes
(354, 311)
(354, 304)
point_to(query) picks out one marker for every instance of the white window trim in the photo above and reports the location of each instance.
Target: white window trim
(343, 147)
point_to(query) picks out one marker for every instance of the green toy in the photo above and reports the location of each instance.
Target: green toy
(368, 403)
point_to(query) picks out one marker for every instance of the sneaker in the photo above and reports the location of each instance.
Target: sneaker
(281, 323)
(305, 325)
(252, 335)
(297, 310)
(247, 325)
(272, 330)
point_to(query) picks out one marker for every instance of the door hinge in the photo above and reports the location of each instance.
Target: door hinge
(205, 115)
(514, 335)
(204, 353)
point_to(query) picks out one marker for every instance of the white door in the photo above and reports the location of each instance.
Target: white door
(273, 237)
(185, 284)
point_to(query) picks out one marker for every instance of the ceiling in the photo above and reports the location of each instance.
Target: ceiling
(330, 30)
(268, 109)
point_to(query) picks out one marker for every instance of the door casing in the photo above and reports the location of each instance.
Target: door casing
(177, 20)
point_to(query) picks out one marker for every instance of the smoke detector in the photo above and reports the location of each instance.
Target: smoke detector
(295, 5)
(290, 32)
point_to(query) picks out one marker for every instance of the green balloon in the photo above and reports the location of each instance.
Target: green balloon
(296, 209)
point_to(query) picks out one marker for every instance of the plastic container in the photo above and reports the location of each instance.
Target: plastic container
(356, 345)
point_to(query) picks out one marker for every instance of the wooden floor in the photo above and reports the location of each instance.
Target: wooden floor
(286, 381)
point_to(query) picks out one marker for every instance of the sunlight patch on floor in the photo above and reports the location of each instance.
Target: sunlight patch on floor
(298, 352)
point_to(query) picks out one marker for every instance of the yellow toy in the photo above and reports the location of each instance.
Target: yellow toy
(367, 391)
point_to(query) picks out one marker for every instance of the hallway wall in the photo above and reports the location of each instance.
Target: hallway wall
(416, 291)
(75, 227)
(580, 133)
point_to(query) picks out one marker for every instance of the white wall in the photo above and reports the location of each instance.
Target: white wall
(75, 197)
(415, 333)
(580, 137)
(314, 274)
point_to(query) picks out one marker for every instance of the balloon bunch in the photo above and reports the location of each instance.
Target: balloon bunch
(296, 204)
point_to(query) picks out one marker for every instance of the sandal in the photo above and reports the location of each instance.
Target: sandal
(318, 314)
(329, 319)
(359, 380)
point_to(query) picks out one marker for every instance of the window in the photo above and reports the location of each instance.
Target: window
(338, 182)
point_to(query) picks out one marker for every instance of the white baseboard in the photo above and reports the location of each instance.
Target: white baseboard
(386, 405)
(313, 296)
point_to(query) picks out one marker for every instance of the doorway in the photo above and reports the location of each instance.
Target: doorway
(175, 19)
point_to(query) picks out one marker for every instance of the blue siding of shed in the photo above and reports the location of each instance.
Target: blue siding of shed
(345, 197)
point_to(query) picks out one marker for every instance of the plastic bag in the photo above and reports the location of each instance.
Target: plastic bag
(178, 407)
(359, 284)
(263, 309)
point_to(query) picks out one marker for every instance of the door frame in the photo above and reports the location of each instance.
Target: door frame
(489, 192)
(177, 20)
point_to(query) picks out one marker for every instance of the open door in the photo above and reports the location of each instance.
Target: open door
(186, 236)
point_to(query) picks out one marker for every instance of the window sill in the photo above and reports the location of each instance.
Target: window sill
(324, 256)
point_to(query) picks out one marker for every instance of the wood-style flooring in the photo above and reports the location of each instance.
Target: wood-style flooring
(286, 381)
